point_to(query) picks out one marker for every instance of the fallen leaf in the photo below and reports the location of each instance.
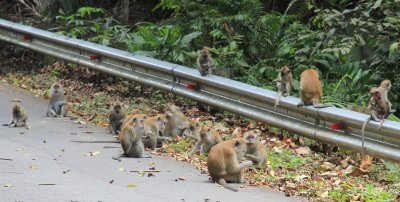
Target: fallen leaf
(303, 151)
(7, 185)
(93, 153)
(121, 169)
(150, 175)
(66, 171)
(140, 173)
(15, 100)
(111, 181)
(300, 177)
(131, 185)
(358, 172)
(328, 174)
(325, 194)
(79, 122)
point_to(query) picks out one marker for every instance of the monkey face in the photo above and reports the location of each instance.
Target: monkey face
(137, 124)
(205, 133)
(387, 84)
(204, 52)
(161, 123)
(250, 137)
(285, 70)
(117, 109)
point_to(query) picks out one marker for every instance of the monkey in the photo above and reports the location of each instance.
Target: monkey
(208, 138)
(58, 104)
(283, 83)
(19, 117)
(131, 138)
(154, 128)
(385, 86)
(378, 109)
(193, 132)
(204, 62)
(177, 123)
(171, 108)
(310, 89)
(223, 162)
(255, 151)
(116, 118)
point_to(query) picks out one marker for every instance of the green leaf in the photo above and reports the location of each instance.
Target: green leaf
(377, 4)
(185, 41)
(131, 185)
(393, 47)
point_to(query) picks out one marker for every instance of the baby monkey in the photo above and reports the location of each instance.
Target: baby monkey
(255, 151)
(19, 117)
(283, 83)
(205, 62)
(57, 105)
(208, 138)
(116, 118)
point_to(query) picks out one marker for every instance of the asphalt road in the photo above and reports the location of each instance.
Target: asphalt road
(47, 166)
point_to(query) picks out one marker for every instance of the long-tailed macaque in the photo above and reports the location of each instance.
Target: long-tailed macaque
(116, 118)
(193, 132)
(154, 128)
(131, 138)
(223, 162)
(19, 117)
(284, 83)
(208, 138)
(177, 122)
(255, 151)
(385, 86)
(310, 89)
(204, 62)
(57, 104)
(378, 108)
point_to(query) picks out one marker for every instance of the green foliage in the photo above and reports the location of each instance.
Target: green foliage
(92, 24)
(286, 159)
(163, 42)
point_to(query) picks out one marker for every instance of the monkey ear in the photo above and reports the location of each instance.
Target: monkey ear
(209, 129)
(237, 143)
(158, 118)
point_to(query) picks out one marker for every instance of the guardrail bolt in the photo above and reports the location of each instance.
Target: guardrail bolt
(27, 37)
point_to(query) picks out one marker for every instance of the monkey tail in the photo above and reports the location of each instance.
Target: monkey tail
(363, 135)
(223, 183)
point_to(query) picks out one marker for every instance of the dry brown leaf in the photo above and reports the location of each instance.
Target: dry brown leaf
(303, 151)
(358, 172)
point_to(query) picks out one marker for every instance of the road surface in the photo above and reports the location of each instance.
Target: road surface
(47, 166)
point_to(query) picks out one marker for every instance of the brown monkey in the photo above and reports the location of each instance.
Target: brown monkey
(255, 151)
(116, 118)
(208, 138)
(58, 104)
(284, 83)
(131, 138)
(177, 123)
(223, 162)
(204, 62)
(193, 132)
(385, 86)
(19, 117)
(153, 131)
(310, 89)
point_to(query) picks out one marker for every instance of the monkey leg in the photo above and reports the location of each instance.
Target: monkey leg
(20, 124)
(196, 147)
(63, 110)
(301, 104)
(162, 139)
(316, 104)
(288, 89)
(51, 112)
(278, 98)
(223, 183)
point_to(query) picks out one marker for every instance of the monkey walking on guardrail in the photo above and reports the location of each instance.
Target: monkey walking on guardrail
(204, 62)
(284, 83)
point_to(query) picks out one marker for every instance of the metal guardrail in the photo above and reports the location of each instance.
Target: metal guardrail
(230, 95)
